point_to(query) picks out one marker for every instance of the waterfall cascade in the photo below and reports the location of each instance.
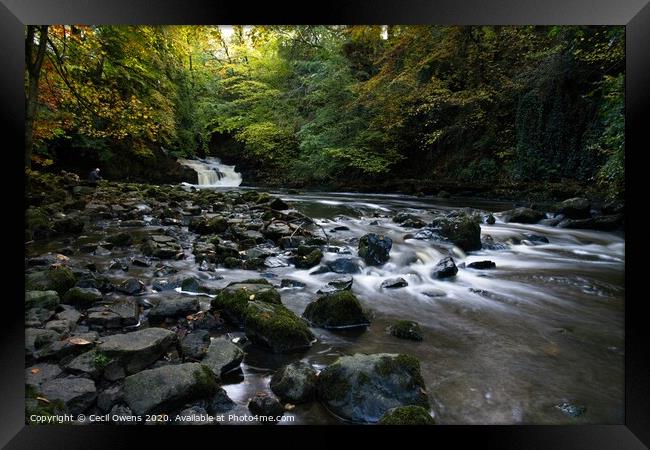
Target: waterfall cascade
(212, 172)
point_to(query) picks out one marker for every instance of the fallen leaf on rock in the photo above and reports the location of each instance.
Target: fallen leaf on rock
(35, 370)
(43, 399)
(289, 406)
(79, 341)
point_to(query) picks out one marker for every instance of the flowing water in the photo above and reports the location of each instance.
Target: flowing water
(212, 173)
(501, 346)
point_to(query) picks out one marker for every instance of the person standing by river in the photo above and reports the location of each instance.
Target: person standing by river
(94, 175)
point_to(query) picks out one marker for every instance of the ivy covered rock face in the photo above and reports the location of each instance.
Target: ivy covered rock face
(362, 388)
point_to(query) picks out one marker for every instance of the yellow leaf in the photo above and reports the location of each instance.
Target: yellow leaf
(43, 399)
(252, 297)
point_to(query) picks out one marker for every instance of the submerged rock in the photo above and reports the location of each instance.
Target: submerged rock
(362, 388)
(375, 249)
(168, 386)
(294, 383)
(340, 309)
(406, 329)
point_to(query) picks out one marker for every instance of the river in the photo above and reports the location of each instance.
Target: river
(502, 346)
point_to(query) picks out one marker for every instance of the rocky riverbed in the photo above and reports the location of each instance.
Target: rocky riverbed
(167, 302)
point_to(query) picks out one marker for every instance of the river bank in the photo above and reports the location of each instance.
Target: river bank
(128, 283)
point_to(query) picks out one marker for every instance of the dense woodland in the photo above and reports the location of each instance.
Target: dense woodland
(332, 106)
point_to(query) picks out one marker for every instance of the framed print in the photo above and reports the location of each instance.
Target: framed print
(398, 218)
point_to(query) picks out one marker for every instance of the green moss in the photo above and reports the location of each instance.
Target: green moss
(61, 279)
(332, 385)
(233, 303)
(338, 309)
(232, 263)
(33, 406)
(308, 261)
(101, 360)
(206, 382)
(407, 415)
(37, 224)
(276, 327)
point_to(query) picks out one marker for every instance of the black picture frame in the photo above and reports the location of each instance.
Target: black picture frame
(634, 14)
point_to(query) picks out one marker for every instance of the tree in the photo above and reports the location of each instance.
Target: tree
(33, 64)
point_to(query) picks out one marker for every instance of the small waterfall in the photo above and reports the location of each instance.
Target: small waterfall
(212, 173)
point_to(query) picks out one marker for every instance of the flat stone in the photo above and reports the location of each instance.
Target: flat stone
(78, 394)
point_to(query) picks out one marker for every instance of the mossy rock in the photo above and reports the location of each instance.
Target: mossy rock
(41, 299)
(340, 309)
(57, 278)
(308, 261)
(407, 415)
(464, 231)
(37, 224)
(275, 327)
(82, 297)
(232, 263)
(362, 388)
(233, 300)
(120, 239)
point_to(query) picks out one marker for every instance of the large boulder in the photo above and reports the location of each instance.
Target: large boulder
(295, 383)
(340, 309)
(522, 215)
(223, 356)
(464, 231)
(276, 328)
(362, 388)
(78, 394)
(375, 249)
(168, 386)
(137, 350)
(232, 301)
(574, 208)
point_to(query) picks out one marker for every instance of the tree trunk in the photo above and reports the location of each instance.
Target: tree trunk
(33, 72)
